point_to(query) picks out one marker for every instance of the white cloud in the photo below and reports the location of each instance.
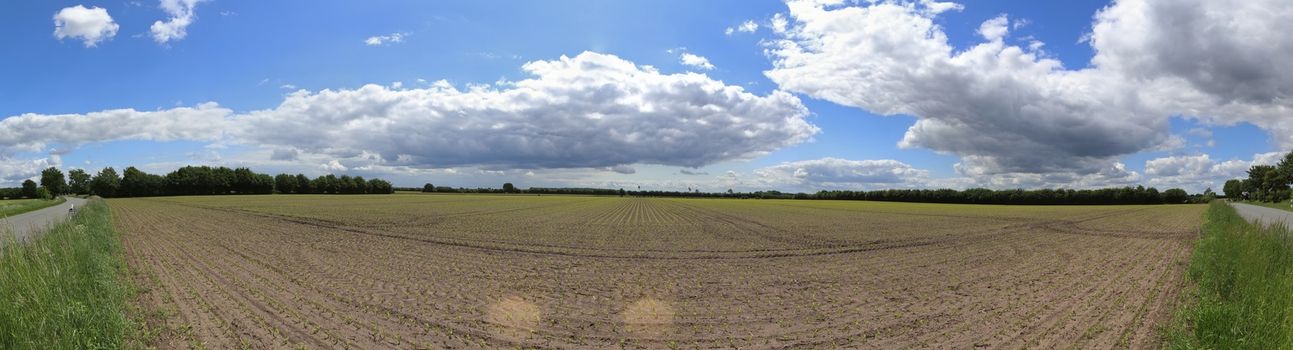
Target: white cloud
(391, 38)
(589, 111)
(1001, 108)
(695, 61)
(592, 110)
(14, 171)
(1223, 61)
(749, 26)
(1197, 172)
(33, 132)
(994, 29)
(90, 25)
(333, 166)
(937, 7)
(176, 26)
(842, 174)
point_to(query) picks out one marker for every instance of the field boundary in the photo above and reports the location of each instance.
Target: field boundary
(27, 209)
(1240, 275)
(68, 287)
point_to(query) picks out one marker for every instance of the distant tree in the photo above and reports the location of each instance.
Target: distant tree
(344, 184)
(52, 180)
(428, 188)
(29, 188)
(1284, 170)
(1262, 182)
(508, 188)
(79, 181)
(621, 192)
(1208, 196)
(379, 186)
(303, 184)
(137, 183)
(1234, 188)
(361, 185)
(1175, 196)
(43, 193)
(285, 183)
(106, 183)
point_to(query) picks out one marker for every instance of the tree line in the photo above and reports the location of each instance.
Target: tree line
(1266, 183)
(189, 180)
(1122, 195)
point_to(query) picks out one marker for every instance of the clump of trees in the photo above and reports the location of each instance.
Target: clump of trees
(1266, 183)
(190, 180)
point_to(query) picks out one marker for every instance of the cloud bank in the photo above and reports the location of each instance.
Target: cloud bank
(1011, 112)
(588, 111)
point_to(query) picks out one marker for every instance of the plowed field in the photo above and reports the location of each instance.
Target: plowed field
(463, 271)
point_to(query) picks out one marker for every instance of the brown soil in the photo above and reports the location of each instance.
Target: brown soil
(1080, 278)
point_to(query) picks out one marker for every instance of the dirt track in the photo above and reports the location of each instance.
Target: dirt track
(1089, 277)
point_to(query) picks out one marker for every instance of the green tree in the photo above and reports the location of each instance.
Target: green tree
(1234, 188)
(106, 183)
(1285, 171)
(79, 181)
(285, 183)
(29, 188)
(52, 180)
(1175, 196)
(1258, 175)
(428, 188)
(508, 188)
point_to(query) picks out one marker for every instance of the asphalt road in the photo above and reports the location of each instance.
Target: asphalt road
(1265, 215)
(27, 224)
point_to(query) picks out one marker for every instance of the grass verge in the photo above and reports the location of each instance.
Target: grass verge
(24, 207)
(1243, 296)
(66, 288)
(1273, 205)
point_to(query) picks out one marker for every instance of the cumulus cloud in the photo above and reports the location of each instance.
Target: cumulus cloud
(748, 26)
(835, 173)
(176, 26)
(379, 40)
(1223, 61)
(33, 132)
(333, 166)
(13, 171)
(695, 61)
(1011, 111)
(593, 111)
(90, 25)
(995, 28)
(1198, 172)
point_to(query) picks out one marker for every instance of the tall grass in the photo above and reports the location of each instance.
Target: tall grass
(1244, 295)
(27, 205)
(65, 289)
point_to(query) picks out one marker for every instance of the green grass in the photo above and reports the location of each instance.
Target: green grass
(1274, 205)
(1244, 279)
(13, 207)
(67, 288)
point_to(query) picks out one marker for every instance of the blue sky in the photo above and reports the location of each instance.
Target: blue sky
(245, 57)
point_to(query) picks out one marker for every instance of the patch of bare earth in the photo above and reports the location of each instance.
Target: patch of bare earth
(742, 274)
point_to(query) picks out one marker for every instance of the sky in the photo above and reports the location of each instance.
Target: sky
(798, 96)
